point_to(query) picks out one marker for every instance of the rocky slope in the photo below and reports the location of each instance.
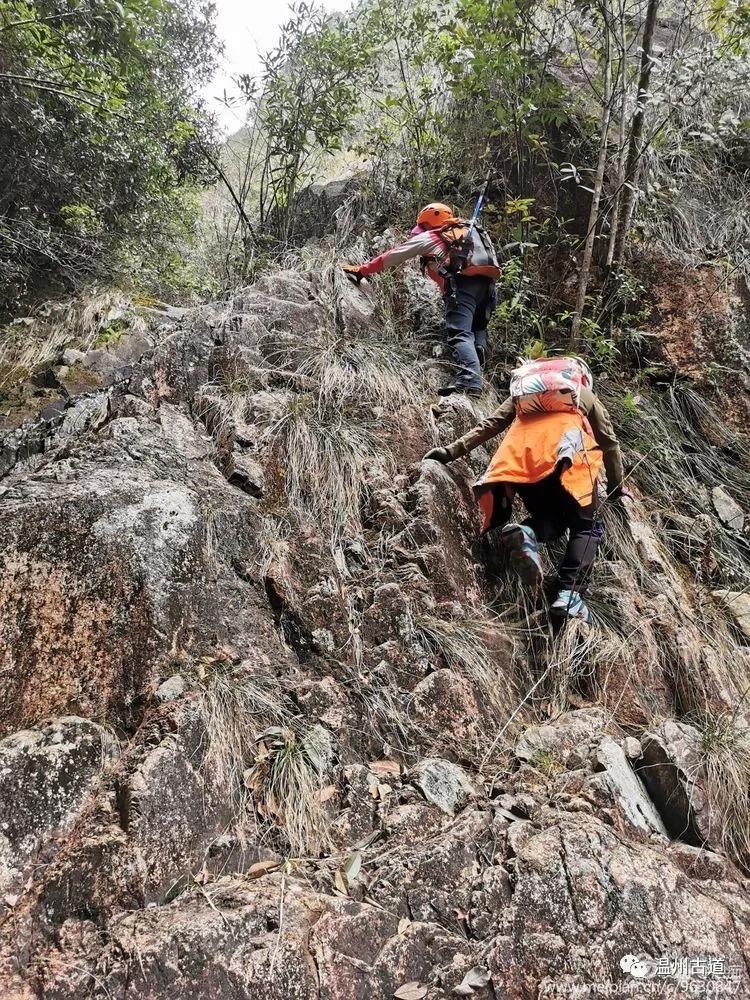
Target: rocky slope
(273, 726)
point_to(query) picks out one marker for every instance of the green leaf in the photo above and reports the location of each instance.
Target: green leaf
(352, 866)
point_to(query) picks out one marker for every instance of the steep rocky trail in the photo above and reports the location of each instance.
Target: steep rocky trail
(275, 726)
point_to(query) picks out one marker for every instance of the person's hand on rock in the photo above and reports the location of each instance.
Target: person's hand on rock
(438, 455)
(353, 272)
(621, 493)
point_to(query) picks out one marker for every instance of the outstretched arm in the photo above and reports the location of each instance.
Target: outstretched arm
(605, 437)
(488, 428)
(420, 245)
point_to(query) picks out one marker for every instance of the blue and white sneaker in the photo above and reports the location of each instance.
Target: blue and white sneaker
(521, 542)
(570, 603)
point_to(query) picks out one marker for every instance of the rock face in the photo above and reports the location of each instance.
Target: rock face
(737, 604)
(47, 774)
(263, 737)
(729, 511)
(442, 783)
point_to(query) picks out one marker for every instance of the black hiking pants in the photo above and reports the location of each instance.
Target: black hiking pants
(552, 512)
(469, 303)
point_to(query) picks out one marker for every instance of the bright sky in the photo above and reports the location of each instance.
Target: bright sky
(247, 28)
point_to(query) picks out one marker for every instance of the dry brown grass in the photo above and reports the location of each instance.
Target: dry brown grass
(286, 780)
(464, 645)
(235, 703)
(325, 458)
(725, 759)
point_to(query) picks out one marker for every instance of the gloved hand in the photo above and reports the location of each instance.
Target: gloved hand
(438, 455)
(354, 272)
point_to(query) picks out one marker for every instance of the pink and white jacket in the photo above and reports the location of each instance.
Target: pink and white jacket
(422, 243)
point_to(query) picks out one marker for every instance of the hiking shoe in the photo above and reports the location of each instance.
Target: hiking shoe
(450, 389)
(569, 603)
(521, 542)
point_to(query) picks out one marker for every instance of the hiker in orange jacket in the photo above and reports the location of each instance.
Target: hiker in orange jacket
(467, 286)
(559, 439)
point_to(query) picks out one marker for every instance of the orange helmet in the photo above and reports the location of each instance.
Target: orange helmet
(434, 215)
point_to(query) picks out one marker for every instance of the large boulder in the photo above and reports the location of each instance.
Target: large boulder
(112, 558)
(672, 770)
(585, 899)
(47, 776)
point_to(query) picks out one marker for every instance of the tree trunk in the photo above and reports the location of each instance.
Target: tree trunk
(588, 248)
(627, 199)
(622, 144)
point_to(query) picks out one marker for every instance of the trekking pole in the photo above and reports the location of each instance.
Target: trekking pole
(480, 202)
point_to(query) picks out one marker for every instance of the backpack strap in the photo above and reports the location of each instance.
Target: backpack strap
(425, 261)
(462, 224)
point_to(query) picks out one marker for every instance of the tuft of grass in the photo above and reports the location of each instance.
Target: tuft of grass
(463, 644)
(355, 372)
(548, 763)
(725, 758)
(629, 404)
(361, 372)
(572, 662)
(112, 333)
(386, 714)
(235, 702)
(287, 779)
(272, 540)
(324, 458)
(222, 404)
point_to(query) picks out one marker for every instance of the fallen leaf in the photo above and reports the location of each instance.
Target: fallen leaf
(352, 866)
(411, 991)
(478, 976)
(11, 899)
(262, 868)
(340, 882)
(327, 793)
(385, 768)
(403, 925)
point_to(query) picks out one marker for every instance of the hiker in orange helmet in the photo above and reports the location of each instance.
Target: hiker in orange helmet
(460, 259)
(559, 440)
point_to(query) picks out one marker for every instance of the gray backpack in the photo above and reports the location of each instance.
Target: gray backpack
(470, 252)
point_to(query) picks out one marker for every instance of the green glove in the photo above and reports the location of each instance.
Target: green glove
(441, 455)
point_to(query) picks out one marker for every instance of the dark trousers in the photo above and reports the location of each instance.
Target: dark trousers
(468, 307)
(553, 511)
